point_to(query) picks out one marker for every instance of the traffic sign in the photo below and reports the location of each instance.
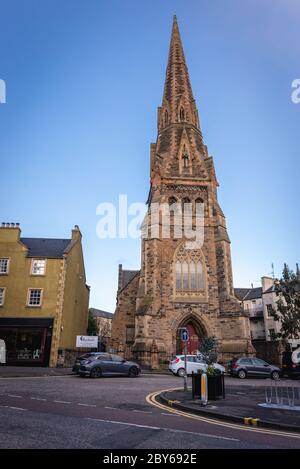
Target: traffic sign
(184, 335)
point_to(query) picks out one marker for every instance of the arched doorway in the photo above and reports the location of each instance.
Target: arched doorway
(196, 333)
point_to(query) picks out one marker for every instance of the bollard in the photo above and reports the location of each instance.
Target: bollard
(204, 390)
(247, 420)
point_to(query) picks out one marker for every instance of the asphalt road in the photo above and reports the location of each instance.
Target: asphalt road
(112, 412)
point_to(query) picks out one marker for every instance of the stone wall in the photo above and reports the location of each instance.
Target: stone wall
(271, 351)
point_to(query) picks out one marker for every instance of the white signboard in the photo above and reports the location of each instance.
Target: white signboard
(87, 341)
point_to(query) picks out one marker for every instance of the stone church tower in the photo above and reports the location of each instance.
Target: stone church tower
(179, 285)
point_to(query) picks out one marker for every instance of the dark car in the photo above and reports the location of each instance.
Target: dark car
(289, 368)
(106, 363)
(83, 358)
(244, 367)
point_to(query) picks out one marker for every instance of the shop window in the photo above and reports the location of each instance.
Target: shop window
(2, 295)
(24, 344)
(4, 266)
(38, 267)
(35, 297)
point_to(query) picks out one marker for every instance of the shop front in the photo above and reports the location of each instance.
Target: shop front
(27, 340)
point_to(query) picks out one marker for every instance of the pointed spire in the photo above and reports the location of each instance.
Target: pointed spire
(178, 103)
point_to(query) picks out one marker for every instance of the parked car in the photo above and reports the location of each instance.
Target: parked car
(244, 367)
(291, 364)
(101, 364)
(193, 364)
(83, 358)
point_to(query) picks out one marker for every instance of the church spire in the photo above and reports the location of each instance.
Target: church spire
(178, 104)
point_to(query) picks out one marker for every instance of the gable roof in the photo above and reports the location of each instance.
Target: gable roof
(46, 247)
(99, 313)
(244, 294)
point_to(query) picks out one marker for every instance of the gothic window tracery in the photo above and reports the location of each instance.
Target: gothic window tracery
(189, 271)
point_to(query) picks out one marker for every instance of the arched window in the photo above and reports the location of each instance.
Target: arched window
(172, 200)
(189, 271)
(186, 205)
(199, 207)
(181, 114)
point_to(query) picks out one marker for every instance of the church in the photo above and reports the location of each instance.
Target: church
(180, 285)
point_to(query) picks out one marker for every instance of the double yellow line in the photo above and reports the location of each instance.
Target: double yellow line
(151, 399)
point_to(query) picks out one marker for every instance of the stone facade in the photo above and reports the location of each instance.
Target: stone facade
(179, 284)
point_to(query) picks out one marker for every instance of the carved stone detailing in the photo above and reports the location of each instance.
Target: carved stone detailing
(183, 189)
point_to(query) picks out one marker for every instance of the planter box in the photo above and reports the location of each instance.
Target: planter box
(215, 386)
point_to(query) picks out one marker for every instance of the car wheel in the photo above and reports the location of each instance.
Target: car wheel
(181, 372)
(133, 372)
(96, 372)
(242, 374)
(275, 375)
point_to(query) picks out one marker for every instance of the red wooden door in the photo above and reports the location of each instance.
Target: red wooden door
(193, 342)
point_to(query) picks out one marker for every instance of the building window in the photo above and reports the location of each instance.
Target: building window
(272, 334)
(35, 297)
(270, 310)
(130, 334)
(2, 295)
(189, 275)
(4, 266)
(38, 267)
(181, 114)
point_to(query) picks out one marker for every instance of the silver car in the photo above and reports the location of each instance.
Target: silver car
(193, 364)
(108, 364)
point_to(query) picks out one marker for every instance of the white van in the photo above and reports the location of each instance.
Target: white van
(2, 351)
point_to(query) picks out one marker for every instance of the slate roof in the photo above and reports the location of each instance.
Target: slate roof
(125, 276)
(271, 289)
(46, 247)
(244, 294)
(101, 314)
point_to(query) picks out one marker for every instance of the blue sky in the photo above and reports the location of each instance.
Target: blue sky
(84, 80)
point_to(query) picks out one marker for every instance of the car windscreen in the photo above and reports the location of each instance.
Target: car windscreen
(84, 357)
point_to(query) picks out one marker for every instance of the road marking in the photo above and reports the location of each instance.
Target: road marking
(87, 405)
(207, 435)
(62, 402)
(11, 407)
(143, 411)
(14, 395)
(170, 415)
(113, 408)
(38, 399)
(151, 400)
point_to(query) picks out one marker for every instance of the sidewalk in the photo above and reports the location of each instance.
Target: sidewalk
(239, 403)
(31, 371)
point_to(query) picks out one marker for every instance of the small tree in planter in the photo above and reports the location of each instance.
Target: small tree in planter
(208, 349)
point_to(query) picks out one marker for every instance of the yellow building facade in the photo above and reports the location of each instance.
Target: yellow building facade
(44, 298)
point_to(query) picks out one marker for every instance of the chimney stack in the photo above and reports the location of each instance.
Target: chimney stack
(10, 232)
